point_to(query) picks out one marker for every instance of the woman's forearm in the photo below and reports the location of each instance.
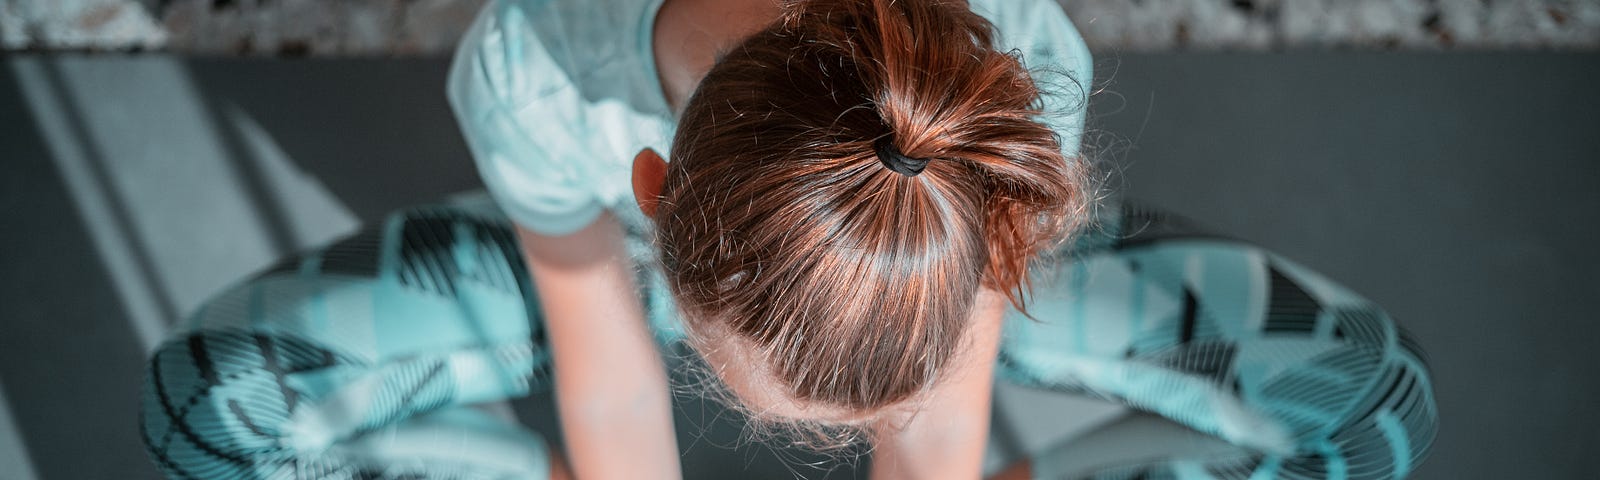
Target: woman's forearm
(947, 436)
(610, 384)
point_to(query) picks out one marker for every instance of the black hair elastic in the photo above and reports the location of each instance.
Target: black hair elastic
(892, 158)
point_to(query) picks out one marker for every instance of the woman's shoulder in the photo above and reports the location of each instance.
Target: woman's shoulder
(1039, 29)
(1055, 54)
(554, 45)
(554, 97)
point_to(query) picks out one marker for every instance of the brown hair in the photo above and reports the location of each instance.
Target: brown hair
(778, 223)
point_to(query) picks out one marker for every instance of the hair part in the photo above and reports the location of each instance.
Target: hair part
(778, 223)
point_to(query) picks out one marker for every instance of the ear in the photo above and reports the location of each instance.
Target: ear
(649, 171)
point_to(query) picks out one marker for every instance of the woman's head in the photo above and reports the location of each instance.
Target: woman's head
(836, 283)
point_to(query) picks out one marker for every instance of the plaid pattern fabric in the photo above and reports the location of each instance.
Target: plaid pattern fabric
(358, 360)
(1308, 379)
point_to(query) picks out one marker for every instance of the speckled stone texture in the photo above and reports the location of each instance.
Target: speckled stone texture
(318, 27)
(78, 25)
(1157, 25)
(430, 27)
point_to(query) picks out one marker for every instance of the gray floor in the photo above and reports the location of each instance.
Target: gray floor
(1457, 190)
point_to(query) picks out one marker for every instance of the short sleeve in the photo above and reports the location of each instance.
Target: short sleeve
(1056, 57)
(506, 89)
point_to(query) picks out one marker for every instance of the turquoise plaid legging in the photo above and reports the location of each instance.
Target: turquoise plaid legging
(359, 360)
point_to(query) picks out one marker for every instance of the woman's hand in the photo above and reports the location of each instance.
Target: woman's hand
(610, 383)
(947, 436)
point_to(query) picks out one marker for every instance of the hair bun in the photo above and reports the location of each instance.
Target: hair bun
(788, 217)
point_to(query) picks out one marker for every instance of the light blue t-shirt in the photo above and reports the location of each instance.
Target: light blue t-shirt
(555, 97)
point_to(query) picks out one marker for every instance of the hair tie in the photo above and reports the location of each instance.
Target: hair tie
(892, 158)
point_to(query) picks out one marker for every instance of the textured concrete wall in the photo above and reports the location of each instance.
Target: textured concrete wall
(318, 27)
(1157, 25)
(406, 27)
(78, 24)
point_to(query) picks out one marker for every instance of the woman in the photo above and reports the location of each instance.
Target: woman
(859, 195)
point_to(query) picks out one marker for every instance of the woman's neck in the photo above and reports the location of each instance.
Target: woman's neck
(688, 34)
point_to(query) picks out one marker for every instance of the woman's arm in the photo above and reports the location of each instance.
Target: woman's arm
(946, 437)
(611, 386)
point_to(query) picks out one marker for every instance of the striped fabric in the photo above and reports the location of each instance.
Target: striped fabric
(1306, 378)
(359, 360)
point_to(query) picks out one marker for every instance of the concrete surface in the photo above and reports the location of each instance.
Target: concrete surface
(1459, 191)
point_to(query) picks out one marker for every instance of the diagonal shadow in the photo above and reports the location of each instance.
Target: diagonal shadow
(378, 133)
(72, 112)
